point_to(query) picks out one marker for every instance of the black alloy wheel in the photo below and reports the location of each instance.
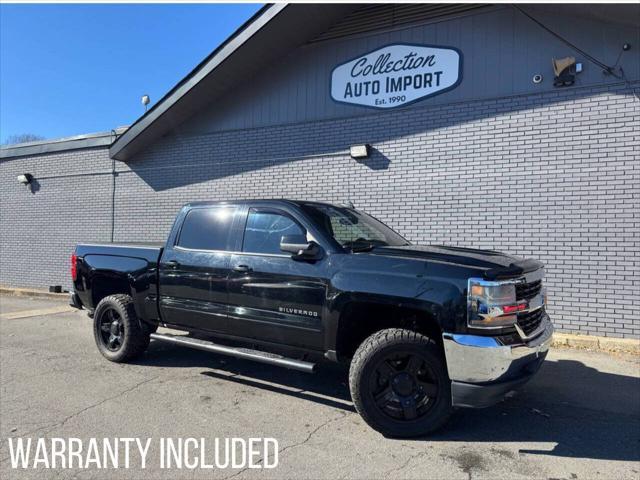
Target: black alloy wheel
(119, 334)
(399, 383)
(404, 386)
(111, 329)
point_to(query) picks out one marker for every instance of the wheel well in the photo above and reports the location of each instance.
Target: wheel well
(108, 286)
(360, 320)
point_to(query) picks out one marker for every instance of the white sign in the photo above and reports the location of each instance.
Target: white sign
(396, 75)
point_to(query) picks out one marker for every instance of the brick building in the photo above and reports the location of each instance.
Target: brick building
(487, 153)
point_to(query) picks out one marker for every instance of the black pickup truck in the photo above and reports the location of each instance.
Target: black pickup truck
(291, 283)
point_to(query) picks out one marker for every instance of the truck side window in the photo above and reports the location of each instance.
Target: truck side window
(265, 229)
(207, 228)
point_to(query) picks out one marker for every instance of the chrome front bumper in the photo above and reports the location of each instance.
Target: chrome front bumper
(474, 359)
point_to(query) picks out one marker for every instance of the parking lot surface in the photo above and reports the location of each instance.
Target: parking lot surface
(579, 418)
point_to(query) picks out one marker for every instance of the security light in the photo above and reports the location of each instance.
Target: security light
(359, 151)
(25, 178)
(145, 100)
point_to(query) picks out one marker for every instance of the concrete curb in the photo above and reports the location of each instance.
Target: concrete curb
(37, 312)
(592, 342)
(28, 292)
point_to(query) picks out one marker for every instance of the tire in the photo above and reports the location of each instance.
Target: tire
(116, 329)
(399, 383)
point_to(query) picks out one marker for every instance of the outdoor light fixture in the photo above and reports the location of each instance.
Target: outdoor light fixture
(565, 71)
(145, 100)
(25, 178)
(359, 151)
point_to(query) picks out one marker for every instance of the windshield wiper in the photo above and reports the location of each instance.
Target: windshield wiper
(365, 247)
(362, 245)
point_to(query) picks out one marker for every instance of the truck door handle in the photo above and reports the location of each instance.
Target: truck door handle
(172, 264)
(242, 269)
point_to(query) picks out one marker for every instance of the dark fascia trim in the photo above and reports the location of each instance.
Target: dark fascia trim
(89, 140)
(225, 50)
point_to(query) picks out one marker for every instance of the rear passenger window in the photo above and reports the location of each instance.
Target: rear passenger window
(207, 228)
(264, 231)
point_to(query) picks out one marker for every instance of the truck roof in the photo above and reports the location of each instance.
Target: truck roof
(265, 201)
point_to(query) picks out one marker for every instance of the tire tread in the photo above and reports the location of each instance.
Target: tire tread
(386, 338)
(136, 336)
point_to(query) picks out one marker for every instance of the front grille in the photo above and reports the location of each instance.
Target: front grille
(529, 321)
(526, 291)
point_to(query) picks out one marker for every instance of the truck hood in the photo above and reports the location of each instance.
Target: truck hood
(496, 265)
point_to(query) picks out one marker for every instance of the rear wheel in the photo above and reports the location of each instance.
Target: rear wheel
(399, 383)
(117, 331)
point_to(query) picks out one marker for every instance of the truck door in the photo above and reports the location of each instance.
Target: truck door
(271, 296)
(193, 270)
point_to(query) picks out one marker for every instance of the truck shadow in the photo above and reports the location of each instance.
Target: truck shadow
(328, 386)
(580, 411)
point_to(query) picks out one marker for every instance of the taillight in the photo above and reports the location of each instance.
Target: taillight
(74, 267)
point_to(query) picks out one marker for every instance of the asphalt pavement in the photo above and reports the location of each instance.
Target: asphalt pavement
(578, 419)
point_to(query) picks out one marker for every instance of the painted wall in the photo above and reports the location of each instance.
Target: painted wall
(39, 226)
(502, 51)
(552, 175)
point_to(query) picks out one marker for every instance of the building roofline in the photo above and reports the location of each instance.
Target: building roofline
(39, 147)
(224, 50)
(265, 37)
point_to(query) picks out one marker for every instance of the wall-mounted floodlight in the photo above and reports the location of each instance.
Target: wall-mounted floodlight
(25, 178)
(565, 71)
(359, 151)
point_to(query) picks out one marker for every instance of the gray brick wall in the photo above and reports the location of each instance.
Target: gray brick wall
(551, 176)
(71, 200)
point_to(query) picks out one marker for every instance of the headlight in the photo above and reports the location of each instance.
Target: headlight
(492, 304)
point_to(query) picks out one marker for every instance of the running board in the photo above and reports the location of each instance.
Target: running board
(246, 353)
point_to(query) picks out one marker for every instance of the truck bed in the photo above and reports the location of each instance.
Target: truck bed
(109, 268)
(149, 251)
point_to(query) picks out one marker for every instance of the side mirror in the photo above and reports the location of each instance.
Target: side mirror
(300, 248)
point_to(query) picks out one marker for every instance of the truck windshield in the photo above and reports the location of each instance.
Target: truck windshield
(352, 229)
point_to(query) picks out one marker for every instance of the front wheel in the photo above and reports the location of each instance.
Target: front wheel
(117, 331)
(399, 383)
